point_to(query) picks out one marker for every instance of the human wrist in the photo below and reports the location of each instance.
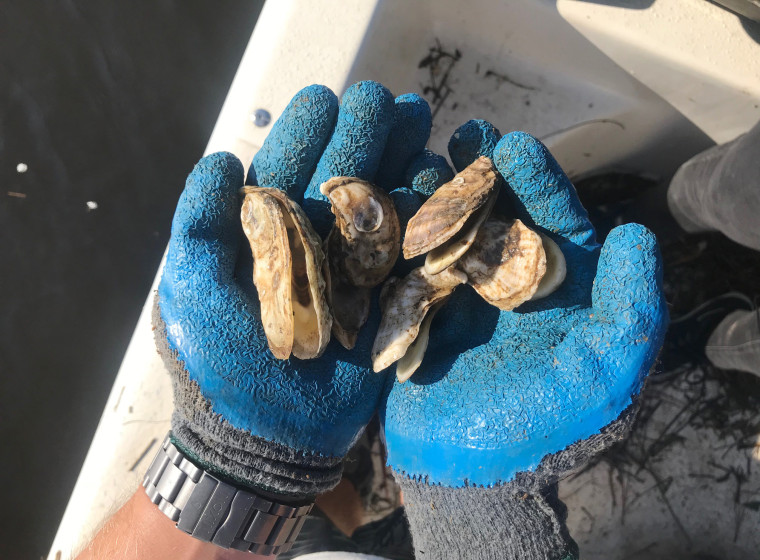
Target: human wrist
(139, 531)
(165, 541)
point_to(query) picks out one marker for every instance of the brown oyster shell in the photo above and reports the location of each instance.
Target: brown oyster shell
(506, 263)
(287, 273)
(361, 249)
(365, 240)
(405, 303)
(452, 215)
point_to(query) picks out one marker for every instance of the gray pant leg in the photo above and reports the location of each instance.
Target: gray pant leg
(735, 342)
(719, 190)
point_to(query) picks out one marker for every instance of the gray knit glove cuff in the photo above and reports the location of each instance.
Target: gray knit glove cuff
(498, 523)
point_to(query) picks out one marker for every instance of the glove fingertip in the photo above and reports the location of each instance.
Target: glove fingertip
(628, 284)
(519, 151)
(426, 172)
(473, 139)
(357, 142)
(206, 229)
(290, 153)
(218, 164)
(370, 101)
(210, 198)
(412, 122)
(544, 194)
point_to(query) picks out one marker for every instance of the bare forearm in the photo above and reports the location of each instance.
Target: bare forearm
(139, 531)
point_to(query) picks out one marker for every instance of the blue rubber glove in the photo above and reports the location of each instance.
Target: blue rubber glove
(500, 390)
(281, 426)
(508, 402)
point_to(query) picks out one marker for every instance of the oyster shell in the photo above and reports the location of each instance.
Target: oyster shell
(447, 254)
(349, 305)
(556, 269)
(446, 225)
(410, 361)
(365, 240)
(404, 304)
(287, 273)
(362, 248)
(506, 263)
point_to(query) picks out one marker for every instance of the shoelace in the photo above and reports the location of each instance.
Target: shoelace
(751, 305)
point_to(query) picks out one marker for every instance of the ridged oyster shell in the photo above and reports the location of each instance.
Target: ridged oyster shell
(287, 272)
(405, 303)
(362, 248)
(349, 305)
(446, 224)
(365, 240)
(506, 263)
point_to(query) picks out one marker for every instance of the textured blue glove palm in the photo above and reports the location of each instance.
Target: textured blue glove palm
(498, 392)
(233, 398)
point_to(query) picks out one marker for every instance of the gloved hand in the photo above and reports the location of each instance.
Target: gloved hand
(280, 426)
(507, 403)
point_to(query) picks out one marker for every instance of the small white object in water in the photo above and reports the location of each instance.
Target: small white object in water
(92, 205)
(22, 168)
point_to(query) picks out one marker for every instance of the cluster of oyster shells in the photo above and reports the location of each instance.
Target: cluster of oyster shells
(308, 288)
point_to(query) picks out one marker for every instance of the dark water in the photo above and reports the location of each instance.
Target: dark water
(104, 102)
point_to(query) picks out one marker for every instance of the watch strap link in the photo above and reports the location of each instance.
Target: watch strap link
(214, 511)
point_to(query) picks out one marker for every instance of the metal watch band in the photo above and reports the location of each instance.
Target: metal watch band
(214, 511)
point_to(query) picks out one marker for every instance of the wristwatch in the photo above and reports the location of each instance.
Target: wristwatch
(213, 510)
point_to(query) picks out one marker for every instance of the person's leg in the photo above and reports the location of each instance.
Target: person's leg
(735, 342)
(719, 190)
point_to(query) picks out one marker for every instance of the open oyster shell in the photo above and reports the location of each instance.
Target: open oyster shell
(362, 248)
(506, 263)
(405, 303)
(446, 225)
(287, 273)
